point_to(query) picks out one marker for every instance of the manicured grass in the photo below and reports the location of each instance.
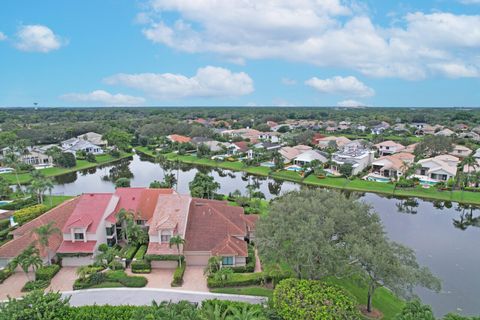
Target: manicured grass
(25, 178)
(383, 299)
(53, 201)
(331, 182)
(248, 291)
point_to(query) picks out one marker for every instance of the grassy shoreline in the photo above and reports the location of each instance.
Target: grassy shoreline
(104, 159)
(358, 185)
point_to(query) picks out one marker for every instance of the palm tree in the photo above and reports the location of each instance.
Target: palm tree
(247, 312)
(12, 160)
(44, 232)
(29, 258)
(107, 256)
(213, 311)
(177, 241)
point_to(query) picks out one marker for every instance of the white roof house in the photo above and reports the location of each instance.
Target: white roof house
(308, 157)
(440, 168)
(94, 138)
(445, 132)
(73, 145)
(389, 147)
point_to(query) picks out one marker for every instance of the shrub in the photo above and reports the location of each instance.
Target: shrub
(66, 160)
(141, 266)
(18, 204)
(250, 266)
(129, 252)
(163, 257)
(47, 272)
(237, 280)
(4, 224)
(141, 252)
(103, 247)
(26, 214)
(35, 285)
(90, 157)
(134, 281)
(5, 273)
(116, 265)
(4, 234)
(178, 275)
(309, 299)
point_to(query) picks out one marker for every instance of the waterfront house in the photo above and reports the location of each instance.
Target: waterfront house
(290, 153)
(178, 138)
(75, 145)
(93, 138)
(35, 156)
(439, 168)
(308, 156)
(393, 166)
(359, 158)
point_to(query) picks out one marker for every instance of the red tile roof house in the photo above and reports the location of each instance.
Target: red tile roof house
(24, 236)
(178, 138)
(209, 227)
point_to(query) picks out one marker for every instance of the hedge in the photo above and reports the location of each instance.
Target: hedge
(5, 273)
(35, 285)
(129, 252)
(178, 275)
(18, 204)
(141, 266)
(141, 252)
(163, 257)
(4, 234)
(105, 279)
(238, 279)
(4, 224)
(46, 273)
(251, 261)
(25, 215)
(310, 299)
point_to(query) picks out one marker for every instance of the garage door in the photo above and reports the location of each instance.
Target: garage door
(77, 261)
(200, 259)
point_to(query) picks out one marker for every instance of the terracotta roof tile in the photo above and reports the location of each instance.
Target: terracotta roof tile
(88, 211)
(77, 247)
(24, 235)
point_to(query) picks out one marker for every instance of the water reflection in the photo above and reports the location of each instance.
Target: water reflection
(445, 236)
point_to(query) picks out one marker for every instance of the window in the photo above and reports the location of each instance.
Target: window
(79, 236)
(165, 236)
(227, 261)
(141, 222)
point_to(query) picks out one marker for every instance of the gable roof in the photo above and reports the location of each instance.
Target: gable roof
(390, 143)
(179, 138)
(25, 236)
(88, 212)
(171, 212)
(211, 223)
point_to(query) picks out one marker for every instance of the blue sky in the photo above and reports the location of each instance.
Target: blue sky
(234, 53)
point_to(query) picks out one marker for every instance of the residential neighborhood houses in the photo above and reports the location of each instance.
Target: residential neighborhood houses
(211, 228)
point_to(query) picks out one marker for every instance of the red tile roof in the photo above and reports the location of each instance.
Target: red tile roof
(179, 138)
(88, 212)
(211, 223)
(231, 246)
(25, 236)
(161, 248)
(139, 200)
(170, 213)
(242, 145)
(77, 247)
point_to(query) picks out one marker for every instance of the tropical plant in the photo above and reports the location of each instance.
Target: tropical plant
(203, 186)
(223, 275)
(107, 256)
(415, 310)
(177, 241)
(122, 183)
(28, 259)
(44, 233)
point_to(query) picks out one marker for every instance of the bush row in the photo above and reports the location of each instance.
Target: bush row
(4, 224)
(23, 216)
(35, 285)
(18, 204)
(129, 252)
(46, 273)
(178, 275)
(141, 252)
(161, 257)
(110, 278)
(239, 279)
(141, 266)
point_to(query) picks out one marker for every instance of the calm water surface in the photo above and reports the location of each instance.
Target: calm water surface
(445, 236)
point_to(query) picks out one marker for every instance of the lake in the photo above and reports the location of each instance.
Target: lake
(445, 236)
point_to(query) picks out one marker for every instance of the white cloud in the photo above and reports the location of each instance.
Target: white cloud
(322, 33)
(457, 70)
(2, 36)
(207, 82)
(103, 97)
(470, 1)
(350, 103)
(288, 81)
(37, 38)
(347, 86)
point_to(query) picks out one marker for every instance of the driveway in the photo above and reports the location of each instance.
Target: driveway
(63, 280)
(158, 278)
(194, 279)
(13, 285)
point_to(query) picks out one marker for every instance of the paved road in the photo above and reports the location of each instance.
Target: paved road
(145, 296)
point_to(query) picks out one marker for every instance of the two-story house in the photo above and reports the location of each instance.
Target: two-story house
(389, 147)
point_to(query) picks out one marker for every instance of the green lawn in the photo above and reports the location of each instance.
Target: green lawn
(331, 182)
(25, 177)
(53, 201)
